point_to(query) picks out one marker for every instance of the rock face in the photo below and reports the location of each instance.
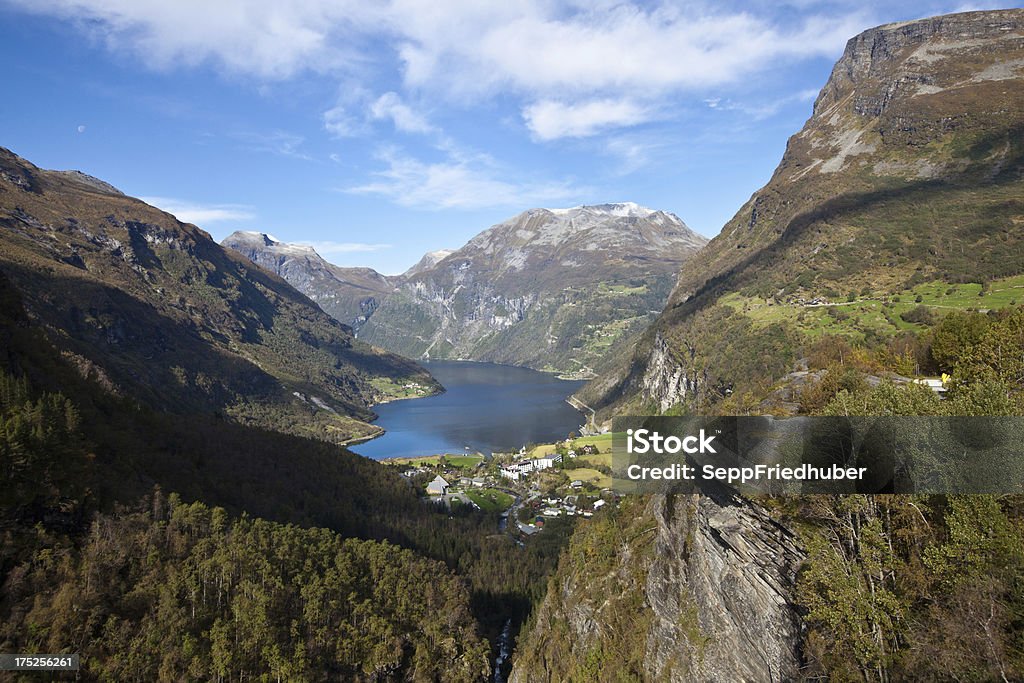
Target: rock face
(167, 317)
(909, 170)
(699, 588)
(349, 295)
(549, 288)
(732, 567)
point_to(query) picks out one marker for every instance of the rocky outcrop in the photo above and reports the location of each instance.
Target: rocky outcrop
(726, 565)
(666, 381)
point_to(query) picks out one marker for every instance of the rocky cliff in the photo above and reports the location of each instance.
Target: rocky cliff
(674, 588)
(555, 289)
(909, 171)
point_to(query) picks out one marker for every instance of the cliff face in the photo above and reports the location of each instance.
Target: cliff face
(908, 171)
(554, 289)
(697, 589)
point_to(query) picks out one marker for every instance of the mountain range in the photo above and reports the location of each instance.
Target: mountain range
(551, 289)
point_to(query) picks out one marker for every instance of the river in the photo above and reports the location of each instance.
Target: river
(485, 408)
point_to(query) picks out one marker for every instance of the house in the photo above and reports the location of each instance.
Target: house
(552, 512)
(576, 484)
(598, 504)
(479, 482)
(438, 487)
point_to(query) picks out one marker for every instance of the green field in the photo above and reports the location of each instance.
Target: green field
(490, 500)
(879, 312)
(602, 441)
(451, 460)
(391, 389)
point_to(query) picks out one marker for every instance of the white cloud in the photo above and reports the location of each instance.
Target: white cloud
(549, 119)
(331, 248)
(576, 68)
(266, 38)
(339, 123)
(458, 182)
(201, 214)
(390, 106)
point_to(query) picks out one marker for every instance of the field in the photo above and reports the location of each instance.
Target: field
(589, 476)
(602, 441)
(490, 500)
(879, 313)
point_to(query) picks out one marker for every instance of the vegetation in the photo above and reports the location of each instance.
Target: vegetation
(80, 467)
(490, 500)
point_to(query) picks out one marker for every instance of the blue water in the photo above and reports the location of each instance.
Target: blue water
(485, 407)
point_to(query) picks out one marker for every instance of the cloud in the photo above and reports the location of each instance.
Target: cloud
(390, 106)
(551, 50)
(549, 119)
(201, 214)
(266, 38)
(339, 122)
(332, 248)
(278, 142)
(762, 108)
(457, 182)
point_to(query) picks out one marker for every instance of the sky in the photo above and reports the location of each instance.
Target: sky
(378, 131)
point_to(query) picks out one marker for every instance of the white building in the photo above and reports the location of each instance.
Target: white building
(438, 487)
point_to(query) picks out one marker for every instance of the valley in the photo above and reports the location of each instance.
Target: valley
(239, 461)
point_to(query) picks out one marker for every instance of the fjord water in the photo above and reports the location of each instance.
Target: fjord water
(486, 407)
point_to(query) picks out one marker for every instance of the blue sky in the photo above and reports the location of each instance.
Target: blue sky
(377, 131)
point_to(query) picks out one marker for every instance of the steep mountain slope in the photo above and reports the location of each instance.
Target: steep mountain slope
(909, 171)
(161, 313)
(349, 295)
(908, 178)
(550, 289)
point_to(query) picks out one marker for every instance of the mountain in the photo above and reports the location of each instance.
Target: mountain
(552, 289)
(906, 177)
(890, 235)
(429, 260)
(160, 313)
(350, 295)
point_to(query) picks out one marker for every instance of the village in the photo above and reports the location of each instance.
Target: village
(527, 489)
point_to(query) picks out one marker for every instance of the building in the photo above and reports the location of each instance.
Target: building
(438, 487)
